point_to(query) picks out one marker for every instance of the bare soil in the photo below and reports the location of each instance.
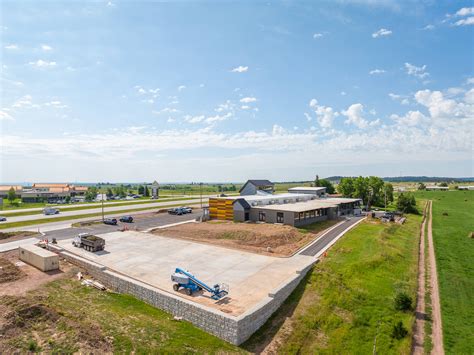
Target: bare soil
(23, 278)
(261, 238)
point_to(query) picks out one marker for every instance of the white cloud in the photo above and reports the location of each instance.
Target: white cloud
(419, 72)
(411, 118)
(181, 87)
(470, 81)
(194, 119)
(469, 97)
(240, 69)
(245, 107)
(354, 115)
(308, 117)
(42, 64)
(218, 118)
(429, 27)
(376, 71)
(465, 11)
(324, 114)
(402, 99)
(11, 46)
(4, 116)
(46, 48)
(343, 93)
(110, 4)
(247, 100)
(154, 91)
(465, 21)
(381, 33)
(317, 35)
(442, 108)
(166, 110)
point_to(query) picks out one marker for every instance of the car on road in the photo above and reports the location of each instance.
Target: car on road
(110, 221)
(50, 211)
(3, 219)
(177, 211)
(126, 219)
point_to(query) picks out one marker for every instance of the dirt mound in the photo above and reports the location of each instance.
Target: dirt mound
(9, 272)
(262, 238)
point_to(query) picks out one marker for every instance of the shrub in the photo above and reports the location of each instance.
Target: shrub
(399, 331)
(403, 302)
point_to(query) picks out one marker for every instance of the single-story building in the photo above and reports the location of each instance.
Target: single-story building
(437, 188)
(51, 192)
(464, 187)
(318, 191)
(4, 189)
(295, 209)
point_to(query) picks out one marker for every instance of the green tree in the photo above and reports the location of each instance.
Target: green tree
(146, 191)
(361, 189)
(346, 187)
(91, 194)
(328, 185)
(403, 302)
(317, 182)
(421, 186)
(68, 199)
(399, 331)
(375, 188)
(11, 195)
(109, 192)
(388, 192)
(444, 184)
(407, 203)
(141, 190)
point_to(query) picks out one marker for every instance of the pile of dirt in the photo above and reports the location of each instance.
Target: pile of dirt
(9, 272)
(16, 235)
(270, 239)
(27, 321)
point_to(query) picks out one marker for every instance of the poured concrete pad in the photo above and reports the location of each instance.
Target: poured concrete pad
(152, 259)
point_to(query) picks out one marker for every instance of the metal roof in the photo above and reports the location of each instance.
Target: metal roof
(306, 188)
(258, 183)
(308, 205)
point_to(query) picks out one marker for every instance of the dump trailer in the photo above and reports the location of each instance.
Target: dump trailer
(191, 284)
(89, 242)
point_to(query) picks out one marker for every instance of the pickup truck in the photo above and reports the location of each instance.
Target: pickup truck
(89, 242)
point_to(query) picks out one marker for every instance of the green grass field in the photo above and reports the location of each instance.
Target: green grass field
(66, 317)
(348, 298)
(453, 221)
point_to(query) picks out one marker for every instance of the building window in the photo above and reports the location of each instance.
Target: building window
(306, 215)
(301, 216)
(261, 216)
(312, 213)
(279, 217)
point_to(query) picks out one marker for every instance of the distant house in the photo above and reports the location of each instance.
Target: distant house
(317, 191)
(464, 187)
(257, 187)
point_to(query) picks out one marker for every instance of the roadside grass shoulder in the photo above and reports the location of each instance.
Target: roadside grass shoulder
(348, 299)
(453, 221)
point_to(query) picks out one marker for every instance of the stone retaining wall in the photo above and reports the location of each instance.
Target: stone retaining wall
(235, 330)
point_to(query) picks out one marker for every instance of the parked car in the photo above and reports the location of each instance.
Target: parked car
(3, 219)
(126, 219)
(187, 209)
(111, 221)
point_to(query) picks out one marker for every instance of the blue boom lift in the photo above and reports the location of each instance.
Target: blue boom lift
(190, 283)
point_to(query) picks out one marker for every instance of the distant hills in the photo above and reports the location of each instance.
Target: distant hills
(415, 179)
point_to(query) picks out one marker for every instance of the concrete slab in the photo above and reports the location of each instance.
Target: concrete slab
(14, 245)
(152, 259)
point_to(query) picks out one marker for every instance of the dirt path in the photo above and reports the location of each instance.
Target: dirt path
(437, 335)
(420, 314)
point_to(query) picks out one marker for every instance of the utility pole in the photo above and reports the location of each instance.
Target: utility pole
(200, 192)
(102, 198)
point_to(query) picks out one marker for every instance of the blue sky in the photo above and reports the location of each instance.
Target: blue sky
(225, 91)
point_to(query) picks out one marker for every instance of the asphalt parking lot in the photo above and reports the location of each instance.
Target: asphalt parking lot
(141, 222)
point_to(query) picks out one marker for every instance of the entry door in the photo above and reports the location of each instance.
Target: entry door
(280, 217)
(261, 216)
(247, 216)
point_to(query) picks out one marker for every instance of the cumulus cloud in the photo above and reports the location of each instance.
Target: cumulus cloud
(429, 27)
(317, 35)
(181, 87)
(419, 72)
(46, 48)
(465, 21)
(402, 99)
(465, 11)
(194, 119)
(247, 100)
(324, 114)
(219, 118)
(381, 33)
(42, 64)
(376, 71)
(11, 46)
(355, 116)
(240, 69)
(411, 118)
(441, 107)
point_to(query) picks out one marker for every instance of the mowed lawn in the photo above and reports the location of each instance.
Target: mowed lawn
(453, 221)
(348, 299)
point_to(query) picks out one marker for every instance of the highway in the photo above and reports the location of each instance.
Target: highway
(153, 205)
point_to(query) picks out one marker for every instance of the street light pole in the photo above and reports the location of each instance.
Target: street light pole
(200, 191)
(102, 198)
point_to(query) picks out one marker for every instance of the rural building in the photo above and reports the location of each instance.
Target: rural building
(295, 209)
(4, 189)
(437, 188)
(39, 258)
(465, 187)
(257, 187)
